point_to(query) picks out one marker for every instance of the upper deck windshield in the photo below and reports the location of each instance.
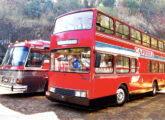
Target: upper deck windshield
(75, 21)
(71, 60)
(15, 56)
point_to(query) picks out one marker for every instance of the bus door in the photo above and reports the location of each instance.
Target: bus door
(35, 75)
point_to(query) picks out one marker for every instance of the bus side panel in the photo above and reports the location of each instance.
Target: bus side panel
(107, 85)
(35, 80)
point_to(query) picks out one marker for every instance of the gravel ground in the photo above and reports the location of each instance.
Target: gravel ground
(145, 108)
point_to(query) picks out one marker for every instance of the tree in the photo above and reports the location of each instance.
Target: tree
(133, 5)
(108, 3)
(48, 5)
(33, 9)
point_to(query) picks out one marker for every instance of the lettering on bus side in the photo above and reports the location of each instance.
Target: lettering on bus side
(141, 51)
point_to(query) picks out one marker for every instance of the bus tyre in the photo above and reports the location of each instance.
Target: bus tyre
(121, 95)
(154, 88)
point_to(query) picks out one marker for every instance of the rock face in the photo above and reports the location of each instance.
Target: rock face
(11, 31)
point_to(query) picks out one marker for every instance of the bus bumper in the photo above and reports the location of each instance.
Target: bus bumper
(67, 99)
(89, 103)
(12, 89)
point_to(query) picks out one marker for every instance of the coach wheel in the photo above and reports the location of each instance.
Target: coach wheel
(121, 95)
(154, 88)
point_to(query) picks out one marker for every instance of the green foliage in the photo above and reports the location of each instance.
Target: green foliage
(108, 3)
(48, 5)
(133, 5)
(45, 11)
(33, 9)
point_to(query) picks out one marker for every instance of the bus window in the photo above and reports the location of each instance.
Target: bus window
(161, 67)
(122, 64)
(15, 56)
(71, 60)
(122, 30)
(149, 66)
(160, 46)
(135, 36)
(75, 21)
(154, 43)
(35, 59)
(133, 65)
(105, 24)
(155, 67)
(106, 64)
(146, 40)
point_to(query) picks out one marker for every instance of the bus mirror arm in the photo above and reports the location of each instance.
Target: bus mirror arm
(97, 60)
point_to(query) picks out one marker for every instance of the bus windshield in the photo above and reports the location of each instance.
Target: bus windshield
(15, 56)
(71, 60)
(75, 21)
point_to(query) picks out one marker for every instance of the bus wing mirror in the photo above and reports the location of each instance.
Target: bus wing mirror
(97, 60)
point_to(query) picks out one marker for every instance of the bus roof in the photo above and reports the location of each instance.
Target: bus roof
(32, 43)
(76, 11)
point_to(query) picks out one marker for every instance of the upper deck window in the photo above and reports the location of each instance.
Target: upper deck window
(154, 43)
(122, 30)
(105, 24)
(75, 21)
(146, 40)
(135, 36)
(160, 46)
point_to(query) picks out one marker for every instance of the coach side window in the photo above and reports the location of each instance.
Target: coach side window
(133, 65)
(35, 59)
(106, 64)
(105, 24)
(122, 64)
(155, 67)
(122, 30)
(161, 67)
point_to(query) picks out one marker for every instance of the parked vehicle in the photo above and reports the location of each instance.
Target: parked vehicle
(97, 59)
(25, 67)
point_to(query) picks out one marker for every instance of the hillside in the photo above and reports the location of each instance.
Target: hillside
(33, 19)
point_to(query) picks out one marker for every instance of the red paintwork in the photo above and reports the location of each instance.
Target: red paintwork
(106, 84)
(29, 44)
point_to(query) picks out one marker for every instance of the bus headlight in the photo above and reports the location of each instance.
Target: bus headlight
(77, 93)
(81, 94)
(13, 80)
(52, 89)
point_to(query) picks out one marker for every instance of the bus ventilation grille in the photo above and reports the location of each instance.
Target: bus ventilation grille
(66, 92)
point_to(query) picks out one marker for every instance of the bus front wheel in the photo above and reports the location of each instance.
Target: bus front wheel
(121, 95)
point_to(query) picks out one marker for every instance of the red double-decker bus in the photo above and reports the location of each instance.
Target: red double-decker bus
(25, 67)
(97, 59)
